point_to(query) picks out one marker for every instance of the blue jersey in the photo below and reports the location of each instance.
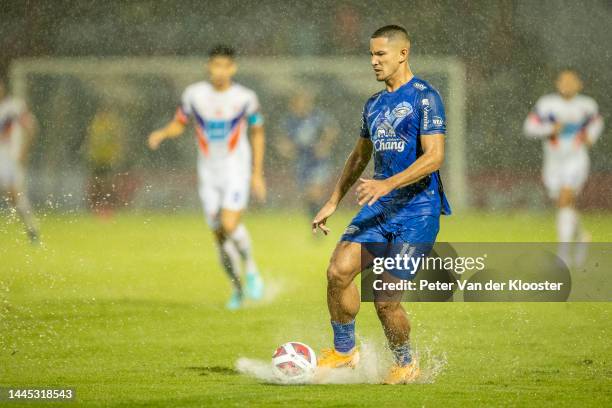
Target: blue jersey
(395, 122)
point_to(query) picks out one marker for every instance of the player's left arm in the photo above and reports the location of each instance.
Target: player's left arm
(430, 161)
(593, 126)
(258, 145)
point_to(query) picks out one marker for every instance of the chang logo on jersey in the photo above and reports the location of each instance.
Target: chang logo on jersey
(383, 145)
(386, 139)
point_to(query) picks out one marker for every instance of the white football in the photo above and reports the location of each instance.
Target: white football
(294, 363)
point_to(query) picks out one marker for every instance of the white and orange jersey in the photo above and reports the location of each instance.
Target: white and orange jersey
(579, 121)
(221, 120)
(12, 112)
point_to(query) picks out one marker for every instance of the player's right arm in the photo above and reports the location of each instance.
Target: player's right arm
(177, 125)
(173, 129)
(354, 166)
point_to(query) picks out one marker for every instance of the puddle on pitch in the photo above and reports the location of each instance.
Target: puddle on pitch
(375, 361)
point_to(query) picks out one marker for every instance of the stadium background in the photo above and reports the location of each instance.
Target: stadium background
(511, 52)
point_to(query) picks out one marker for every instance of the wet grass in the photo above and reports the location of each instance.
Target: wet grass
(129, 312)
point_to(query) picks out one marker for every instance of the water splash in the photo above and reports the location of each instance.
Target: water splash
(374, 365)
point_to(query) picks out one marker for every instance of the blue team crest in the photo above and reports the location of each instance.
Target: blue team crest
(402, 110)
(386, 125)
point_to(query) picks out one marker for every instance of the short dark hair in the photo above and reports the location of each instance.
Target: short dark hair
(391, 31)
(221, 50)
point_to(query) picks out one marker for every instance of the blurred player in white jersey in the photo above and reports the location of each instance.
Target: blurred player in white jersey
(569, 124)
(228, 165)
(17, 128)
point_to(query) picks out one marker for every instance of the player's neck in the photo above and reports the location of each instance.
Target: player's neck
(568, 97)
(399, 78)
(222, 87)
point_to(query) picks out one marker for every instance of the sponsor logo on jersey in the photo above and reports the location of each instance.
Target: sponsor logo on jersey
(419, 86)
(426, 109)
(437, 121)
(385, 137)
(384, 130)
(382, 145)
(351, 229)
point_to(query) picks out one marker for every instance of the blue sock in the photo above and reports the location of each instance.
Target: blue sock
(344, 336)
(402, 354)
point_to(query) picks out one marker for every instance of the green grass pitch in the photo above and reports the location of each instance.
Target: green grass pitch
(130, 312)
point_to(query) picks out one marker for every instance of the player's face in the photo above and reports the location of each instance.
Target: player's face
(221, 70)
(386, 56)
(568, 84)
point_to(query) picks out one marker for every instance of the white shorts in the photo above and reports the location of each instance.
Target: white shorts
(568, 173)
(11, 174)
(226, 191)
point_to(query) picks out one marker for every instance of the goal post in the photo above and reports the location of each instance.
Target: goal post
(346, 83)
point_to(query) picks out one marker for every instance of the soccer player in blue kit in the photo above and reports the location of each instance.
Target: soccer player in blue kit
(403, 128)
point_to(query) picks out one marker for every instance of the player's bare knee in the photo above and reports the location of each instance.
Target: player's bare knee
(565, 201)
(228, 226)
(566, 198)
(338, 275)
(386, 308)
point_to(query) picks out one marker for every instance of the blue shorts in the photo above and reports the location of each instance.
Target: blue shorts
(393, 227)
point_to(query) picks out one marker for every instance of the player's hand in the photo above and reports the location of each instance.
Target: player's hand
(258, 186)
(155, 139)
(582, 138)
(557, 128)
(368, 190)
(320, 219)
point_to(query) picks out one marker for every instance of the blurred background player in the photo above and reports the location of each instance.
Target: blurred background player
(310, 135)
(17, 130)
(105, 151)
(402, 129)
(569, 124)
(228, 165)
